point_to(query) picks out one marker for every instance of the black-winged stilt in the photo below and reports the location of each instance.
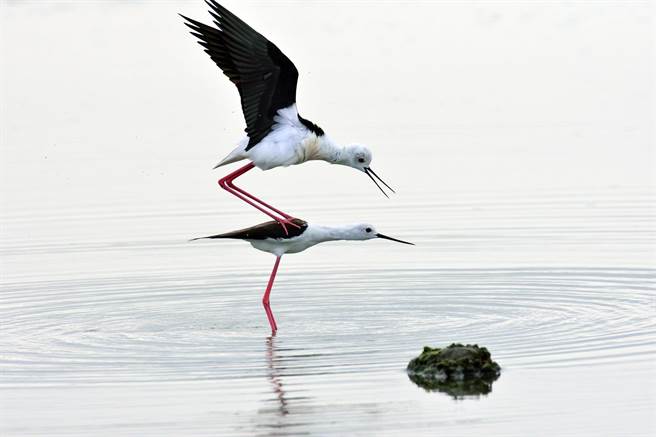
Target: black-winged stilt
(270, 237)
(276, 134)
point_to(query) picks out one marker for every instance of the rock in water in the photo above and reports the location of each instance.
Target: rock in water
(459, 370)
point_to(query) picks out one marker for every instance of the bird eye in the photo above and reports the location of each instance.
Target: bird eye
(368, 230)
(360, 159)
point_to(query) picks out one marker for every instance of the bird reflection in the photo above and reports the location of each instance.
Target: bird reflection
(275, 377)
(284, 412)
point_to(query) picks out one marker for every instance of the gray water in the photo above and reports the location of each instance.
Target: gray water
(534, 225)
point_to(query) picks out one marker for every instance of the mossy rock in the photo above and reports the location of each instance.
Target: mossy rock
(458, 370)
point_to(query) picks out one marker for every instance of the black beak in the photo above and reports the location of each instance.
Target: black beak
(393, 239)
(370, 172)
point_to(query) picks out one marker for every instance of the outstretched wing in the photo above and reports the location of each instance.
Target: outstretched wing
(265, 77)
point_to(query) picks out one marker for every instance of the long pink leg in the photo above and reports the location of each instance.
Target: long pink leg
(265, 298)
(227, 184)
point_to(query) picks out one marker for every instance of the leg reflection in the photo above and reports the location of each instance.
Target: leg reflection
(275, 377)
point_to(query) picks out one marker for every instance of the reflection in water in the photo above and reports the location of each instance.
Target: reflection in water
(473, 388)
(277, 419)
(275, 377)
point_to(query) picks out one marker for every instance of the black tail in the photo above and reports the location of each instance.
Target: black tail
(213, 236)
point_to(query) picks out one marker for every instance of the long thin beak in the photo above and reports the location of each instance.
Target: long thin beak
(370, 172)
(393, 239)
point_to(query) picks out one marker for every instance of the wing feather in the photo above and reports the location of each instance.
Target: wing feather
(265, 78)
(270, 229)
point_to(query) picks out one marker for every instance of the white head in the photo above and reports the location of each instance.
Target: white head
(365, 231)
(359, 157)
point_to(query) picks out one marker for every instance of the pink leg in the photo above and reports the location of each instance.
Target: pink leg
(265, 298)
(227, 184)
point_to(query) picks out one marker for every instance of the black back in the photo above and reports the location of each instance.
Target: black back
(271, 229)
(311, 126)
(265, 77)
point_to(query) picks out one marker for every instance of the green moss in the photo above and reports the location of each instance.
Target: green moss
(458, 370)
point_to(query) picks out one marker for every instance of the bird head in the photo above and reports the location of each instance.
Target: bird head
(365, 231)
(359, 157)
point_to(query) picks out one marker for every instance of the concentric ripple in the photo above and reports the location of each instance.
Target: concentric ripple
(187, 328)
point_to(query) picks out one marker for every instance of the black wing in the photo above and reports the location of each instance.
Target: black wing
(265, 77)
(271, 229)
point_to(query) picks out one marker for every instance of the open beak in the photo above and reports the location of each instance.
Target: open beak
(393, 239)
(371, 174)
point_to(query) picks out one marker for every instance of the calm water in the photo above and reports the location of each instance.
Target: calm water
(534, 227)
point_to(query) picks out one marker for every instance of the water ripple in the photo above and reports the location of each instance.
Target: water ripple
(210, 326)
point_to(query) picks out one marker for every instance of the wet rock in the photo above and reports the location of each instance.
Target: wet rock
(458, 370)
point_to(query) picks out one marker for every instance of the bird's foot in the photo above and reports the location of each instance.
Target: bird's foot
(287, 221)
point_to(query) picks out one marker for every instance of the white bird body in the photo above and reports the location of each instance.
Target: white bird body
(313, 235)
(290, 142)
(269, 237)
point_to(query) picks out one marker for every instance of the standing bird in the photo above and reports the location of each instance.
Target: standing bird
(276, 134)
(269, 237)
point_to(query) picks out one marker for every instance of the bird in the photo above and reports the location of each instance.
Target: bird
(276, 134)
(270, 237)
